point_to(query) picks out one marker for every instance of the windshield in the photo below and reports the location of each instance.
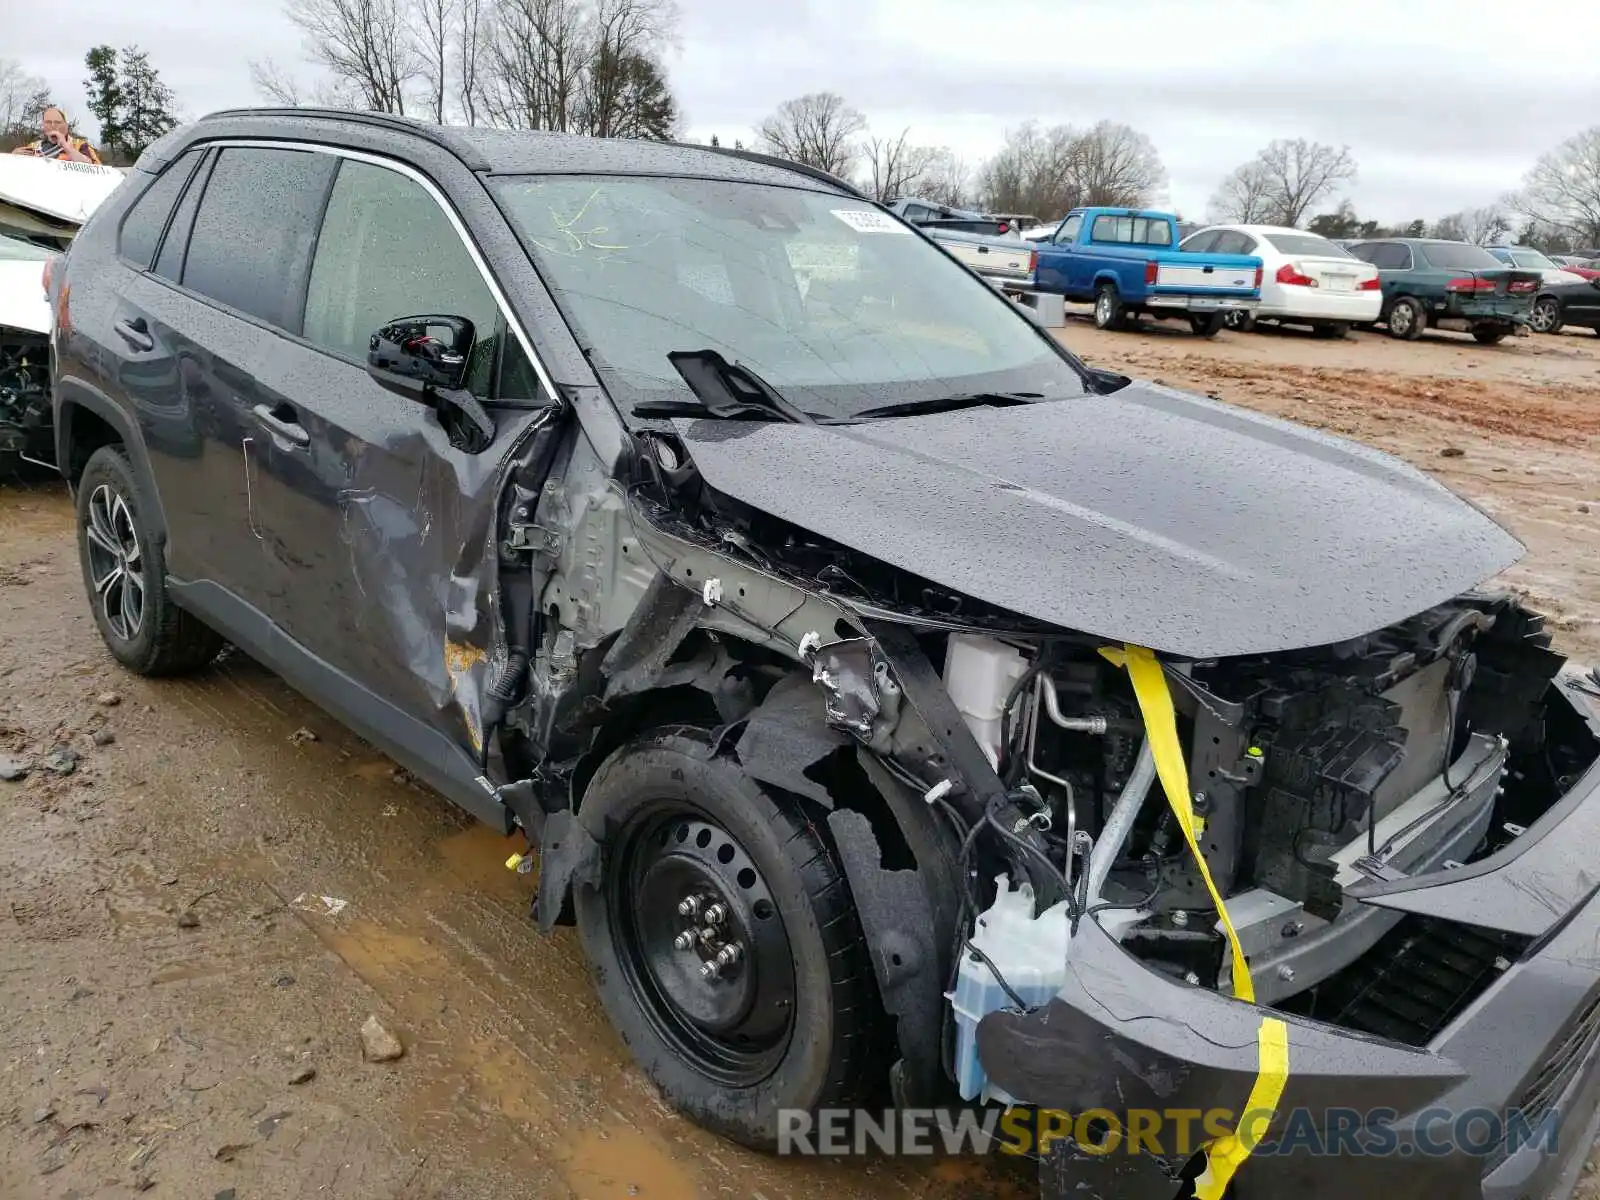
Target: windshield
(1305, 243)
(15, 249)
(1458, 256)
(838, 306)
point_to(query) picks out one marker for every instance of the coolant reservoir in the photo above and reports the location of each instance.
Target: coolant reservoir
(1030, 951)
(979, 674)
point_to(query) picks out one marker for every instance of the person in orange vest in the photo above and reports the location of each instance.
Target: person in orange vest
(58, 141)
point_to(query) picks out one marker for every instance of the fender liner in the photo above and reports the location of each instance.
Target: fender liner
(81, 396)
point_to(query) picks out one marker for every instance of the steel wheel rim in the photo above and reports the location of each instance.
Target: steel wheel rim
(733, 1026)
(1400, 318)
(116, 562)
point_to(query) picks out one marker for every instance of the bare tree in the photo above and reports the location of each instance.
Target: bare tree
(948, 179)
(364, 44)
(434, 28)
(23, 99)
(1115, 165)
(817, 129)
(1283, 181)
(1035, 171)
(898, 168)
(537, 52)
(470, 44)
(1485, 226)
(1562, 191)
(272, 82)
(1452, 227)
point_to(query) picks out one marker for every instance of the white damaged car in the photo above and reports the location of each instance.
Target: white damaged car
(43, 203)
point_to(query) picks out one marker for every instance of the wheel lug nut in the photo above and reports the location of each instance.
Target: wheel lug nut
(715, 914)
(707, 970)
(689, 906)
(727, 956)
(685, 940)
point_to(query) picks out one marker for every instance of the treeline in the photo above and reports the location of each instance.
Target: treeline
(569, 66)
(1290, 181)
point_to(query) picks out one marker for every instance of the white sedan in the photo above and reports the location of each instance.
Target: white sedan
(1305, 278)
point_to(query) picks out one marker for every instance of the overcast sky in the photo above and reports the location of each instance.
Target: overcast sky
(1445, 103)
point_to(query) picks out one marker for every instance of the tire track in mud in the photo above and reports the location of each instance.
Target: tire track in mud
(513, 1082)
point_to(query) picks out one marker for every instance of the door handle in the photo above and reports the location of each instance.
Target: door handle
(285, 427)
(135, 332)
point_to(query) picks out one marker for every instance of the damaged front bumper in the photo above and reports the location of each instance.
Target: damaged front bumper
(1501, 1100)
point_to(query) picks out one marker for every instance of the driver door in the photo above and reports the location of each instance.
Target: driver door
(383, 524)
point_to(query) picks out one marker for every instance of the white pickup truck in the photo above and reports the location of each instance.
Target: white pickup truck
(990, 246)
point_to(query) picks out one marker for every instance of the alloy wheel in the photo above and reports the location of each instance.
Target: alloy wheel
(1400, 319)
(702, 943)
(116, 562)
(1543, 317)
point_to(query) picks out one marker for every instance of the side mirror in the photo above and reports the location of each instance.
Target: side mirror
(426, 359)
(429, 351)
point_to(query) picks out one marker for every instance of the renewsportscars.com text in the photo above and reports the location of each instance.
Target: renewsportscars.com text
(1172, 1132)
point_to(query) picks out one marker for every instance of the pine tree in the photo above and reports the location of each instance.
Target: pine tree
(129, 99)
(105, 94)
(147, 103)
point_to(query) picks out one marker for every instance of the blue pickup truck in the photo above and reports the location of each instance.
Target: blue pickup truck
(1127, 262)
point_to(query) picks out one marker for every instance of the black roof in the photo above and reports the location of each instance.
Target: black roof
(522, 152)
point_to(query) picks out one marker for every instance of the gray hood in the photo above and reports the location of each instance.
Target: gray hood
(1149, 516)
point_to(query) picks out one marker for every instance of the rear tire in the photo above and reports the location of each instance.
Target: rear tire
(1239, 320)
(1331, 329)
(795, 1021)
(125, 575)
(1490, 335)
(1407, 319)
(1207, 326)
(1108, 311)
(1546, 315)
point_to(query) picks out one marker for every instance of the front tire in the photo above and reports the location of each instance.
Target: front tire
(1546, 316)
(1208, 325)
(792, 1020)
(1407, 319)
(1108, 311)
(125, 575)
(1490, 335)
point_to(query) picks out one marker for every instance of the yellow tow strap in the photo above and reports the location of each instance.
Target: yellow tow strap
(1225, 1155)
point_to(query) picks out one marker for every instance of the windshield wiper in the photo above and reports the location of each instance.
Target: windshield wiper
(725, 390)
(942, 404)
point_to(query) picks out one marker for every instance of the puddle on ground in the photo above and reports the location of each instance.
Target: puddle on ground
(619, 1162)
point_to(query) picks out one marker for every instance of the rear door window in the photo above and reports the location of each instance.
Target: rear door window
(1202, 243)
(1231, 241)
(1389, 256)
(142, 227)
(255, 230)
(388, 250)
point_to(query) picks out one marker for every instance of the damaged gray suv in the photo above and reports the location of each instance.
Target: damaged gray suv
(903, 712)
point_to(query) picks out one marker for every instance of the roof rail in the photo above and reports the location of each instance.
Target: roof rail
(772, 160)
(437, 134)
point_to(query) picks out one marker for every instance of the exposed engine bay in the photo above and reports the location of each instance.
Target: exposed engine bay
(1313, 770)
(1013, 752)
(24, 392)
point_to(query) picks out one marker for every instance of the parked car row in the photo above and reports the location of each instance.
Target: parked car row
(1130, 263)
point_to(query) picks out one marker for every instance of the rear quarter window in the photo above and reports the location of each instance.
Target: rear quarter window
(255, 231)
(147, 219)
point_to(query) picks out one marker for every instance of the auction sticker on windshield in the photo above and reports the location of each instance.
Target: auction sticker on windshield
(864, 220)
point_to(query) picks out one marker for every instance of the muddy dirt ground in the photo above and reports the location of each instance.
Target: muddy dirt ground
(170, 966)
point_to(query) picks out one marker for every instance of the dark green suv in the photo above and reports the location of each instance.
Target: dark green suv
(1448, 285)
